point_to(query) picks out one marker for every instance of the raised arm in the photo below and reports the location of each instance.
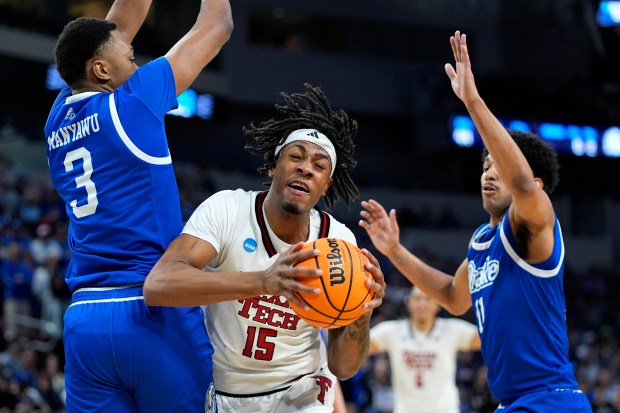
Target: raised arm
(177, 280)
(129, 15)
(531, 206)
(202, 43)
(347, 347)
(451, 292)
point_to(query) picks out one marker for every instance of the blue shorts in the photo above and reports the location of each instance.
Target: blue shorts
(549, 401)
(123, 356)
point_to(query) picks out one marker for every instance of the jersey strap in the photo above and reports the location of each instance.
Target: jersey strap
(262, 223)
(324, 228)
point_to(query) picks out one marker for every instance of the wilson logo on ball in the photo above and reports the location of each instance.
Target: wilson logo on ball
(343, 284)
(336, 271)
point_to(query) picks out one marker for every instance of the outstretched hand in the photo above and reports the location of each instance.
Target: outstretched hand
(461, 75)
(381, 228)
(281, 278)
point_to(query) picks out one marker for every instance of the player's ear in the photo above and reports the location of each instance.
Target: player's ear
(539, 183)
(329, 183)
(100, 69)
(270, 172)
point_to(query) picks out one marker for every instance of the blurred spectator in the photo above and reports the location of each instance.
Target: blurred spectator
(8, 399)
(49, 395)
(17, 281)
(46, 279)
(57, 377)
(382, 395)
(44, 245)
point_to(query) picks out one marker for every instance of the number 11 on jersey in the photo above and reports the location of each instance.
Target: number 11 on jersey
(479, 306)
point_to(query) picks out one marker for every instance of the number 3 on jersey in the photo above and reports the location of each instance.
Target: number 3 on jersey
(83, 181)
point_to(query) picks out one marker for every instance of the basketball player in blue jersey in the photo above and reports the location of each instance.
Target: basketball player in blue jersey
(514, 271)
(267, 359)
(109, 161)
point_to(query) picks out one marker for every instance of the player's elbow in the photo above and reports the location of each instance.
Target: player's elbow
(342, 372)
(224, 29)
(227, 28)
(458, 308)
(152, 291)
(218, 26)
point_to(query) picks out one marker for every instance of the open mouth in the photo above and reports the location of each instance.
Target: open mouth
(489, 187)
(299, 186)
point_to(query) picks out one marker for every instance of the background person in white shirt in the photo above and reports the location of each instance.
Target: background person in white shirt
(422, 351)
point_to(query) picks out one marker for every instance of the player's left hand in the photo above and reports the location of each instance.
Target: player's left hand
(461, 75)
(378, 285)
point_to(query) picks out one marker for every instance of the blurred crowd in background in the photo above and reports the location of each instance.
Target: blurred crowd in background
(34, 255)
(536, 59)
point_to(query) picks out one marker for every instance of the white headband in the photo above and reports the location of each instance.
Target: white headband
(312, 136)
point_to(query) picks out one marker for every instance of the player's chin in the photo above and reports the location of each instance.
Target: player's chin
(292, 207)
(299, 204)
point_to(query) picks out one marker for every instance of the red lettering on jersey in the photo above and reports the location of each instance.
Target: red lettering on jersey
(265, 314)
(274, 299)
(262, 314)
(247, 304)
(416, 360)
(418, 380)
(325, 384)
(275, 312)
(290, 321)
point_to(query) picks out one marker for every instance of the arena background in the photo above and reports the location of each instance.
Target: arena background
(542, 62)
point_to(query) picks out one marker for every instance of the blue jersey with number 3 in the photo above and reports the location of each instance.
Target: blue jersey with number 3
(109, 161)
(520, 310)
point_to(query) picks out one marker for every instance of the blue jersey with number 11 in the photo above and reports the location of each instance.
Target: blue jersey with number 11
(520, 310)
(109, 161)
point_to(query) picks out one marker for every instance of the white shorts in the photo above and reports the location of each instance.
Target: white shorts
(313, 393)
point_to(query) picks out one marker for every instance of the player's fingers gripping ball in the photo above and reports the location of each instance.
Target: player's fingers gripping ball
(343, 284)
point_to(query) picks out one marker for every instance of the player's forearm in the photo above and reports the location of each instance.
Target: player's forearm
(348, 347)
(214, 18)
(129, 15)
(436, 284)
(178, 285)
(510, 163)
(202, 43)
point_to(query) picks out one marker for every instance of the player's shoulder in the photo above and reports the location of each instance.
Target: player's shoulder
(60, 101)
(154, 68)
(231, 198)
(454, 323)
(152, 77)
(391, 326)
(339, 230)
(233, 194)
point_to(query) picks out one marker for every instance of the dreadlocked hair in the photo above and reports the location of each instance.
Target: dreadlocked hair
(303, 111)
(539, 155)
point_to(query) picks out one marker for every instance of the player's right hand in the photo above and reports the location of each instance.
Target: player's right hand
(382, 228)
(282, 277)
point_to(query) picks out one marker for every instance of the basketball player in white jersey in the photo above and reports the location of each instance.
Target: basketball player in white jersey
(422, 351)
(266, 358)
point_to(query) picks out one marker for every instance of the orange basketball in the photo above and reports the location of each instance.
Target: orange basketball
(343, 284)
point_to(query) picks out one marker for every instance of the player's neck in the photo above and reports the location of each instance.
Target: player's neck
(495, 220)
(86, 86)
(423, 326)
(288, 227)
